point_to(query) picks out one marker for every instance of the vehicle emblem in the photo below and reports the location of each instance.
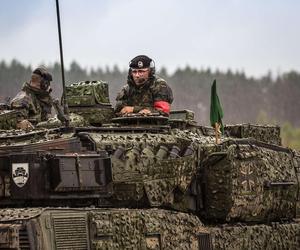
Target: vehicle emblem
(140, 64)
(247, 180)
(20, 173)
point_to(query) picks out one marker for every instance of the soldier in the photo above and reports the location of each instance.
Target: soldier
(144, 93)
(34, 101)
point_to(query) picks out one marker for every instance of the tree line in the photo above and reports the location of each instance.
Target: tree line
(244, 99)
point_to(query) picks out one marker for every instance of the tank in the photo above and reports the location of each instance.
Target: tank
(144, 182)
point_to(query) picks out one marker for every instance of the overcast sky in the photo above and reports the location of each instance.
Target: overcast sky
(250, 35)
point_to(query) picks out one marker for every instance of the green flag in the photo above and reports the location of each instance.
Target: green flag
(216, 111)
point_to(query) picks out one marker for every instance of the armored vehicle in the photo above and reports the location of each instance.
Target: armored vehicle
(144, 182)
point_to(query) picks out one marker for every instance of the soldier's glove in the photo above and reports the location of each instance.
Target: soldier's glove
(25, 125)
(65, 119)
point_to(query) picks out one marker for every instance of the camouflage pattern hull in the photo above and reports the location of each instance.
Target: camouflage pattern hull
(273, 236)
(144, 229)
(87, 228)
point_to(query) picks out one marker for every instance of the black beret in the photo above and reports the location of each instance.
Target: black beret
(140, 62)
(43, 73)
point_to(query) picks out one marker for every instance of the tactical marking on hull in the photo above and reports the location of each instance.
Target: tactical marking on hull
(247, 180)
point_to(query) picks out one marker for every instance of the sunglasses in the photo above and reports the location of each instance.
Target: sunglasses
(139, 71)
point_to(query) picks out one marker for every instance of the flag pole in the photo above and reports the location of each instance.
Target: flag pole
(217, 133)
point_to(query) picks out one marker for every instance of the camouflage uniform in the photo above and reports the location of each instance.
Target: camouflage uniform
(34, 104)
(140, 97)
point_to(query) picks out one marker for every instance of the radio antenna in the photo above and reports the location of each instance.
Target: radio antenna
(65, 104)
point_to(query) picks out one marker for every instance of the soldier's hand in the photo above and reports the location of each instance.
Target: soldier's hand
(25, 125)
(126, 110)
(145, 112)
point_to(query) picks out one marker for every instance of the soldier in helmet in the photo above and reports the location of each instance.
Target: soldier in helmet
(144, 93)
(34, 101)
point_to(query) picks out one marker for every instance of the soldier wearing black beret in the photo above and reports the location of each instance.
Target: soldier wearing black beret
(144, 92)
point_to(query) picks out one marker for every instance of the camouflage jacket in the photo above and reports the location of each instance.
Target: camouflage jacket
(144, 96)
(34, 104)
